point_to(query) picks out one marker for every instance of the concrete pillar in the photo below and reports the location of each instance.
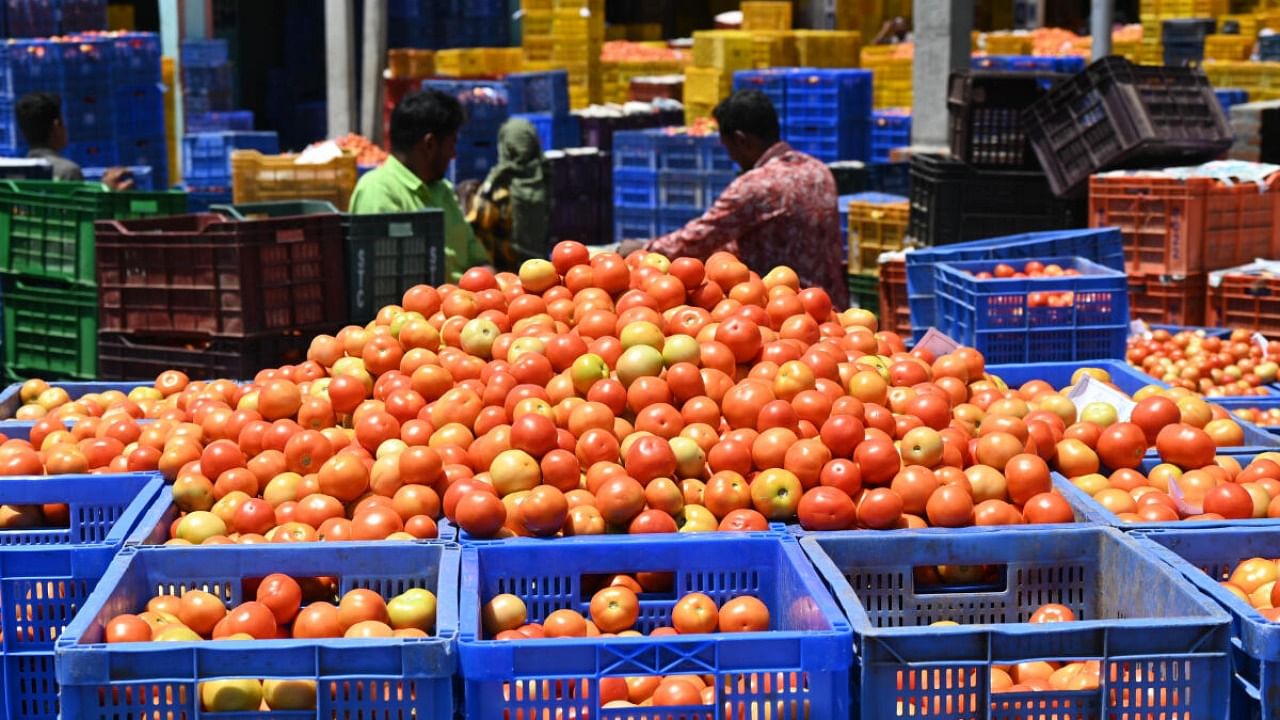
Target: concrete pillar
(1100, 20)
(339, 64)
(373, 61)
(941, 29)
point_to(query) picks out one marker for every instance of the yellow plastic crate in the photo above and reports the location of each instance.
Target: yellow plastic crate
(1236, 74)
(774, 49)
(696, 111)
(1227, 47)
(461, 62)
(536, 22)
(1150, 53)
(1007, 44)
(170, 119)
(828, 48)
(503, 60)
(875, 228)
(706, 86)
(574, 25)
(411, 63)
(536, 5)
(121, 17)
(725, 49)
(759, 15)
(593, 6)
(263, 178)
(537, 48)
(1248, 23)
(644, 32)
(1184, 8)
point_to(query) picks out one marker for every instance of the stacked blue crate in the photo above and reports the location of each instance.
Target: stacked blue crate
(206, 157)
(829, 114)
(662, 180)
(486, 106)
(447, 24)
(139, 104)
(554, 131)
(1230, 96)
(206, 77)
(889, 129)
(31, 18)
(770, 81)
(231, 120)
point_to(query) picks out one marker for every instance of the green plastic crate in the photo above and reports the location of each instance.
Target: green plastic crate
(864, 291)
(46, 227)
(50, 329)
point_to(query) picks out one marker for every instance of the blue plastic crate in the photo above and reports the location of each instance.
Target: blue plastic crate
(1028, 63)
(393, 676)
(206, 157)
(1102, 245)
(554, 131)
(631, 224)
(539, 92)
(135, 58)
(635, 189)
(141, 175)
(841, 95)
(228, 121)
(809, 636)
(203, 53)
(1152, 632)
(206, 89)
(11, 400)
(1206, 557)
(682, 191)
(29, 66)
(139, 110)
(635, 150)
(671, 220)
(82, 15)
(684, 153)
(770, 81)
(485, 102)
(1230, 96)
(889, 129)
(997, 317)
(46, 574)
(150, 150)
(31, 18)
(479, 8)
(92, 153)
(1058, 374)
(1262, 402)
(890, 177)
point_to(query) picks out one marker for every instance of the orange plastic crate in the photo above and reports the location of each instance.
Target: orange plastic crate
(1168, 223)
(263, 178)
(1250, 302)
(895, 315)
(1164, 300)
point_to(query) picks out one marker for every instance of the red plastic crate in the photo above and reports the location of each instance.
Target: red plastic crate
(204, 274)
(1180, 227)
(1164, 300)
(1251, 302)
(895, 314)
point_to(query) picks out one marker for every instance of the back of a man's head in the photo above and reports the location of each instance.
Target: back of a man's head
(749, 112)
(36, 113)
(421, 113)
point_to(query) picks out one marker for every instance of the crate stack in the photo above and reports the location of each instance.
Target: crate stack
(1256, 127)
(1183, 39)
(207, 78)
(828, 48)
(717, 55)
(486, 104)
(664, 178)
(542, 98)
(877, 223)
(891, 67)
(890, 129)
(536, 17)
(47, 18)
(1232, 47)
(582, 185)
(823, 112)
(437, 25)
(621, 62)
(206, 163)
(767, 16)
(479, 61)
(599, 123)
(577, 36)
(49, 284)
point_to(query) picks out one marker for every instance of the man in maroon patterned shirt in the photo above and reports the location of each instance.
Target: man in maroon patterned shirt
(781, 211)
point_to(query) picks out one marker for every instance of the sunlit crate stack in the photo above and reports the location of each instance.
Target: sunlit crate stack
(704, 88)
(717, 55)
(761, 15)
(828, 48)
(1017, 42)
(535, 35)
(577, 36)
(1153, 13)
(774, 48)
(1261, 80)
(890, 67)
(1228, 47)
(622, 61)
(877, 224)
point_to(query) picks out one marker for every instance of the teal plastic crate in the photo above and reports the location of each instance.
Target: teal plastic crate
(46, 574)
(364, 678)
(46, 227)
(810, 639)
(1152, 632)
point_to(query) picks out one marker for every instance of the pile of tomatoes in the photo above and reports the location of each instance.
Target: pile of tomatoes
(1264, 417)
(1211, 366)
(1035, 269)
(1254, 582)
(590, 395)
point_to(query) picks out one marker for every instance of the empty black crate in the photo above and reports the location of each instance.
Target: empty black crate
(389, 253)
(952, 201)
(985, 108)
(582, 198)
(124, 356)
(1183, 39)
(1116, 114)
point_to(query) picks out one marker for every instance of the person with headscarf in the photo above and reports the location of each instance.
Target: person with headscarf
(511, 213)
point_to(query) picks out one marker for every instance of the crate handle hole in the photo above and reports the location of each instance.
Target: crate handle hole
(959, 579)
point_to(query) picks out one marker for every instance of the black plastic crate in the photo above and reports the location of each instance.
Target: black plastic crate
(389, 253)
(123, 356)
(582, 198)
(1116, 114)
(952, 201)
(985, 109)
(598, 130)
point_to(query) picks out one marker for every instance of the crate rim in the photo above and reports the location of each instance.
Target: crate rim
(860, 620)
(262, 651)
(151, 487)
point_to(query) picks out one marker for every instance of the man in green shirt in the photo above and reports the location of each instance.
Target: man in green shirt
(424, 139)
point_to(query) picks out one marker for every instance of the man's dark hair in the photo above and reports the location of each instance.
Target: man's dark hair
(36, 113)
(423, 112)
(749, 112)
